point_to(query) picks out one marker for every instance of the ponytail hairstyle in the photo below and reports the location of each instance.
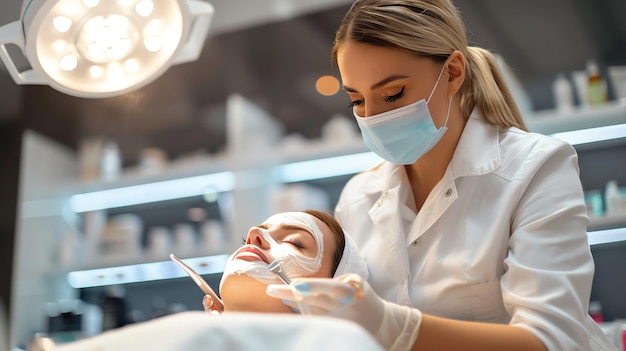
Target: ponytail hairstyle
(433, 29)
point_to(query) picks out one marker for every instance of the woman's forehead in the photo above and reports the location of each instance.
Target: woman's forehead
(299, 219)
(362, 65)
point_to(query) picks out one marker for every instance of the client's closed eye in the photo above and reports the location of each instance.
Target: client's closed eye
(295, 243)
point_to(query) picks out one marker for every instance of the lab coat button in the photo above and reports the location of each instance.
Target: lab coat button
(414, 243)
(448, 192)
(379, 203)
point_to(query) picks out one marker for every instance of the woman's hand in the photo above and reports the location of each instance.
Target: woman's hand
(209, 306)
(350, 297)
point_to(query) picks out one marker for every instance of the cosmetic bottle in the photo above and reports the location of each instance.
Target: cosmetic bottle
(111, 162)
(596, 88)
(563, 94)
(612, 199)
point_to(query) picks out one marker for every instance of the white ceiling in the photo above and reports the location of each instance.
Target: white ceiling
(271, 51)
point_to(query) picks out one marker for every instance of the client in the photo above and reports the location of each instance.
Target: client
(306, 244)
(309, 243)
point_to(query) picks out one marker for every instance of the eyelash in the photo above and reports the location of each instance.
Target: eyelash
(244, 240)
(392, 98)
(396, 97)
(295, 243)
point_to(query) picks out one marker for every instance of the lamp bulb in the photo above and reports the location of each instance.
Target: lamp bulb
(62, 23)
(68, 63)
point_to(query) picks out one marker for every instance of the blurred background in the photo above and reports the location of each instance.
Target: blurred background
(262, 57)
(274, 51)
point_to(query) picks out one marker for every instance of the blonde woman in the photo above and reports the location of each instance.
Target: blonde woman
(473, 229)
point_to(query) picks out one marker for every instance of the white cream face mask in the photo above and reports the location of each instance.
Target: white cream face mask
(293, 263)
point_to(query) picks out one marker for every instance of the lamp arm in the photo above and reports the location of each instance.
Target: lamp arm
(12, 34)
(202, 13)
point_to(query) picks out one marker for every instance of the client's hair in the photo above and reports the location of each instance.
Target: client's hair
(335, 227)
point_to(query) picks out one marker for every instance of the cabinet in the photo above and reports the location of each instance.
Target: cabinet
(51, 195)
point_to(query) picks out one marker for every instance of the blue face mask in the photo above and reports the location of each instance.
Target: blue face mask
(404, 134)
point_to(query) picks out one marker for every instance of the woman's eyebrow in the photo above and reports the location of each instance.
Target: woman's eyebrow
(295, 227)
(379, 84)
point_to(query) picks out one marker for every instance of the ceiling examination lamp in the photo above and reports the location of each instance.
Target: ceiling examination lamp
(104, 48)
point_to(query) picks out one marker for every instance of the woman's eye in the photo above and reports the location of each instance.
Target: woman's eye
(355, 103)
(396, 97)
(295, 243)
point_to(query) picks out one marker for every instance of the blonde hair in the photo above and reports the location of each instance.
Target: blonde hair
(434, 29)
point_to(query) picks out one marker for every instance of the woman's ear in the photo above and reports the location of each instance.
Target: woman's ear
(456, 72)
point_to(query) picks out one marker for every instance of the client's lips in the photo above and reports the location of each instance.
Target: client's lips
(250, 253)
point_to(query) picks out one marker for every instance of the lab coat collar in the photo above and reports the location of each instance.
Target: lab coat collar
(478, 149)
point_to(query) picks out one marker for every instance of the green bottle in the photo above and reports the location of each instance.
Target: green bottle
(596, 90)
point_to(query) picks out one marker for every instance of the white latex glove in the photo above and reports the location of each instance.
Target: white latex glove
(350, 297)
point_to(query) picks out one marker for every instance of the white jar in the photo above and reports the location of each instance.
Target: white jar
(110, 162)
(563, 94)
(613, 199)
(213, 237)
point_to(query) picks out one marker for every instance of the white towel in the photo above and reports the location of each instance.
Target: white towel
(201, 331)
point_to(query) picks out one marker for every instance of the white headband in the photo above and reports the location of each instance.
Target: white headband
(351, 260)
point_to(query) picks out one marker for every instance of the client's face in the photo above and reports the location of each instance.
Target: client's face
(303, 245)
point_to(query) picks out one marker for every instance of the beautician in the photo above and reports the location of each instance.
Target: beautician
(473, 229)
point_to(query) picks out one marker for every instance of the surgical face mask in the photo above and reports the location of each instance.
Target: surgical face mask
(293, 263)
(404, 134)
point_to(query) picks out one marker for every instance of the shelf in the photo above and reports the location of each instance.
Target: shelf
(197, 166)
(607, 229)
(607, 236)
(585, 128)
(143, 272)
(607, 222)
(551, 121)
(313, 160)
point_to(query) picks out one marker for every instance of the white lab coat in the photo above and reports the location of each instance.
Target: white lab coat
(501, 238)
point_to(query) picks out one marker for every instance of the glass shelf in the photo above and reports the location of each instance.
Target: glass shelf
(607, 222)
(551, 121)
(296, 164)
(143, 272)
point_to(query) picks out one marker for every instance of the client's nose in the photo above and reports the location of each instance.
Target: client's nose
(256, 238)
